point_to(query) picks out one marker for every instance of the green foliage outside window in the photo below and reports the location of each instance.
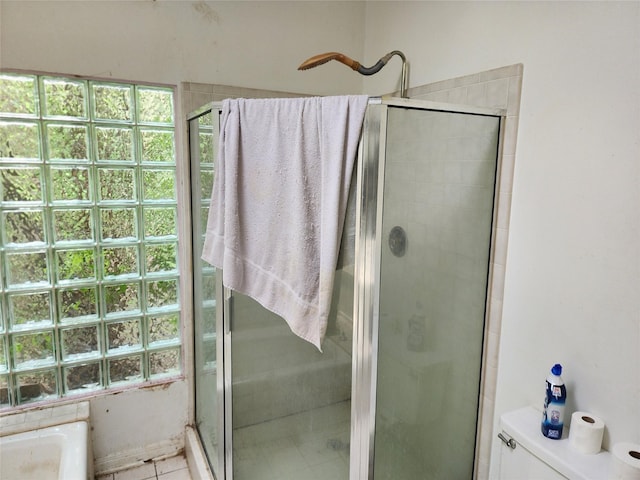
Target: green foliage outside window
(88, 237)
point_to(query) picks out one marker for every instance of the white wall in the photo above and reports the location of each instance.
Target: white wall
(136, 425)
(572, 291)
(243, 43)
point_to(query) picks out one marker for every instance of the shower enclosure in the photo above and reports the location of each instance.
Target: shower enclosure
(398, 382)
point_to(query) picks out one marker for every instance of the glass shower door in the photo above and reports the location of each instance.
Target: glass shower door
(439, 182)
(291, 404)
(205, 311)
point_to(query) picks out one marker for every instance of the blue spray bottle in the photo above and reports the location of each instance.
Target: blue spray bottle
(554, 403)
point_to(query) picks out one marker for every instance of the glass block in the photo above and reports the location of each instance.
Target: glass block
(32, 349)
(205, 120)
(125, 370)
(24, 226)
(162, 293)
(124, 334)
(159, 222)
(77, 304)
(208, 287)
(117, 183)
(80, 342)
(205, 147)
(112, 102)
(209, 320)
(124, 297)
(78, 264)
(155, 106)
(204, 218)
(157, 146)
(83, 378)
(72, 225)
(209, 351)
(114, 144)
(19, 141)
(70, 184)
(118, 223)
(36, 386)
(18, 95)
(67, 142)
(4, 360)
(21, 184)
(206, 268)
(159, 184)
(5, 400)
(27, 268)
(163, 328)
(64, 98)
(161, 257)
(30, 310)
(164, 363)
(118, 261)
(206, 184)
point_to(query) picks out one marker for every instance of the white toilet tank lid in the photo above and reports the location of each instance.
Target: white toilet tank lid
(523, 425)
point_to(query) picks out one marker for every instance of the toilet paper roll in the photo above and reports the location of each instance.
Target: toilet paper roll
(625, 464)
(585, 433)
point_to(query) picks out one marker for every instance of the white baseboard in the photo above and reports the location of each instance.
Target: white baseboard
(138, 456)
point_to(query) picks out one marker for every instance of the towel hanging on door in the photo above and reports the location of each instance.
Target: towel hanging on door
(279, 198)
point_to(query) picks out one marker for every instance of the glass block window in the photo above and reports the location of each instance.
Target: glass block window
(89, 272)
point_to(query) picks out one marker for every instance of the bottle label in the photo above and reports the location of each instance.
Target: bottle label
(553, 413)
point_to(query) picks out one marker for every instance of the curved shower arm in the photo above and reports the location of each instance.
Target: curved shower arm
(355, 65)
(323, 58)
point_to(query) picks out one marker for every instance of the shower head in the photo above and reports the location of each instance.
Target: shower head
(323, 58)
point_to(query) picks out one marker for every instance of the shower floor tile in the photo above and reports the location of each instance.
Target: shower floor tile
(311, 445)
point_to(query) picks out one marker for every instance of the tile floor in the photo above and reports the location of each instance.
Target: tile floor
(173, 468)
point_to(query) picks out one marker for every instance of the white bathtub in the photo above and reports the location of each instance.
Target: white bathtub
(53, 453)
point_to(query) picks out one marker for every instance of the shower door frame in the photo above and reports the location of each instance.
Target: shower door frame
(369, 210)
(370, 184)
(221, 293)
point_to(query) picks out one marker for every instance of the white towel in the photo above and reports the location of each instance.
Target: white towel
(278, 204)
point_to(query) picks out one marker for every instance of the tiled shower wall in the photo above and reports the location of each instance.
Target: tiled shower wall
(196, 95)
(44, 417)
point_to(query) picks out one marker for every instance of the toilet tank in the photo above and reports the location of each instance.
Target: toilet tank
(536, 457)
